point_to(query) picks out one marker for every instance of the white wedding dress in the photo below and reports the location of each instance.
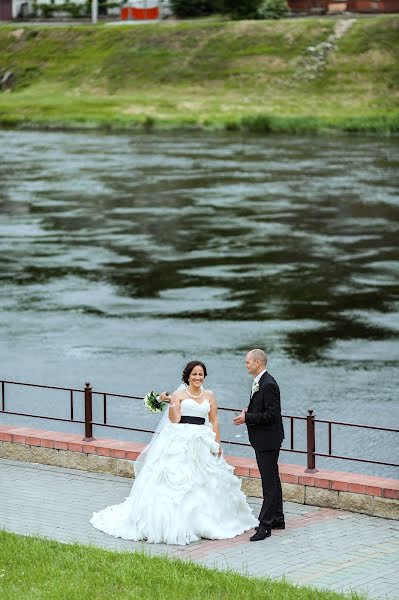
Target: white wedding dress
(183, 492)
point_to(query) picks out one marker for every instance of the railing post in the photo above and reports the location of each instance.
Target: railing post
(88, 413)
(311, 443)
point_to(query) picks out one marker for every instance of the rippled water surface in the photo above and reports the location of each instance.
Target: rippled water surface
(122, 257)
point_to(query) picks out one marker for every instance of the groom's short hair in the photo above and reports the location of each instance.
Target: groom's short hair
(257, 354)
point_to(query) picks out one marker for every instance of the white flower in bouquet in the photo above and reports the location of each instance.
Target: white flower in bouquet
(153, 403)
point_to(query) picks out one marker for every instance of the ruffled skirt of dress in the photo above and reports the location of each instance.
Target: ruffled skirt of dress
(183, 492)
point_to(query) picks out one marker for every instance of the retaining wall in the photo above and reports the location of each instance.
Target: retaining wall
(376, 496)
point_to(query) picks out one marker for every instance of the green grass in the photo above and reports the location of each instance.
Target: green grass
(33, 568)
(246, 75)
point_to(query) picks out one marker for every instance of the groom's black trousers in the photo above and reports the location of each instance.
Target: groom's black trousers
(272, 507)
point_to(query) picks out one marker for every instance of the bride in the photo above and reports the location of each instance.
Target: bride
(184, 490)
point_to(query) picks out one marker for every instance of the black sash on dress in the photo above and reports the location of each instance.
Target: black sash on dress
(193, 420)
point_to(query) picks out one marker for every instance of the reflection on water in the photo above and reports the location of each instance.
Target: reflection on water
(124, 256)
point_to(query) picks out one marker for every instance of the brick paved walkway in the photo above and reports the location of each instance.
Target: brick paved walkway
(321, 547)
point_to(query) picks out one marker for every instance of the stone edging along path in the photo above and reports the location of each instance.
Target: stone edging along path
(375, 496)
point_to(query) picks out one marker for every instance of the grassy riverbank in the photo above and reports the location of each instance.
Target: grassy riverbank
(38, 569)
(251, 75)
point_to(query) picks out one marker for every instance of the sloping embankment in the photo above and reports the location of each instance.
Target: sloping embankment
(292, 75)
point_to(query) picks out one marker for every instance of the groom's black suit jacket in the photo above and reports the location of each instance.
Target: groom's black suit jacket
(263, 417)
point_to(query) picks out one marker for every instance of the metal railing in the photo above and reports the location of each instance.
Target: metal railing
(88, 423)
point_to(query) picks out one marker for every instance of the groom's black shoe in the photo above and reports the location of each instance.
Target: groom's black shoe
(261, 534)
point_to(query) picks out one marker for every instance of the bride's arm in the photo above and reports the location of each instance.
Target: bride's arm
(213, 419)
(174, 408)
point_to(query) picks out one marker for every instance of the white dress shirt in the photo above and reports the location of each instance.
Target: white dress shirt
(257, 378)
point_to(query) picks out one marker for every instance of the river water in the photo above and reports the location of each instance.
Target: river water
(124, 256)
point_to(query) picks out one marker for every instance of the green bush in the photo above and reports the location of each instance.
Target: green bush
(272, 9)
(194, 8)
(45, 10)
(241, 9)
(73, 9)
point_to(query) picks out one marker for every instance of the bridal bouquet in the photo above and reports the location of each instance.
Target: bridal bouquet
(152, 402)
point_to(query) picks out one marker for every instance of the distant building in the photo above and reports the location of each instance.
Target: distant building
(370, 6)
(6, 10)
(13, 9)
(357, 6)
(25, 8)
(143, 9)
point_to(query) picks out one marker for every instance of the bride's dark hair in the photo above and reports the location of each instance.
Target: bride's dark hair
(189, 367)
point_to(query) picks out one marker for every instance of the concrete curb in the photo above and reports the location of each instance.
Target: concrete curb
(376, 496)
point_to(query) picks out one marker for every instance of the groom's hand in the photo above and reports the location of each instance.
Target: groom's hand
(239, 419)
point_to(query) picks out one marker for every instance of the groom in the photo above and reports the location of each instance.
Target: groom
(266, 433)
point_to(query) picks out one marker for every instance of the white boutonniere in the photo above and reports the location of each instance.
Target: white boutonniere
(255, 387)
